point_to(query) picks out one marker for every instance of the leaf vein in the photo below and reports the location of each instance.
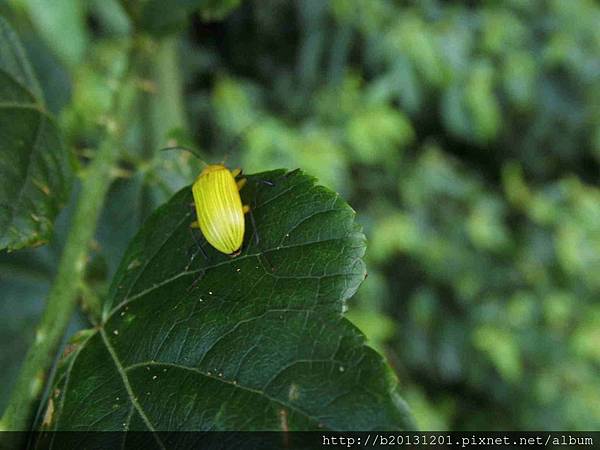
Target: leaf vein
(205, 268)
(235, 385)
(129, 389)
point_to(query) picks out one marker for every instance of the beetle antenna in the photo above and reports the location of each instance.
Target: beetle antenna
(187, 149)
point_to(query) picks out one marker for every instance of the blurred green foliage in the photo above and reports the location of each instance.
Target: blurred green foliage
(467, 139)
(466, 136)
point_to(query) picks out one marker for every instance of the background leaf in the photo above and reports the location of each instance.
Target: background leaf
(62, 25)
(35, 174)
(252, 342)
(495, 168)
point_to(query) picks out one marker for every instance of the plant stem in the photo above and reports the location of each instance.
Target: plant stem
(167, 108)
(162, 112)
(161, 107)
(62, 299)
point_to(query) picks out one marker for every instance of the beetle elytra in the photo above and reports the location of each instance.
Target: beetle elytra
(219, 209)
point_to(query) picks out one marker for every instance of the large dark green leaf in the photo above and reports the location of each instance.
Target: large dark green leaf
(252, 342)
(34, 168)
(160, 17)
(24, 281)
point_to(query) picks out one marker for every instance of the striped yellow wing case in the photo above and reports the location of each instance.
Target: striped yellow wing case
(219, 208)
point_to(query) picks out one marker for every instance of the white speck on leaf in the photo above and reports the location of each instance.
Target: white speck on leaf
(293, 393)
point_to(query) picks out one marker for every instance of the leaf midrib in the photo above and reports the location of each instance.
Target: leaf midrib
(238, 385)
(123, 370)
(128, 388)
(135, 404)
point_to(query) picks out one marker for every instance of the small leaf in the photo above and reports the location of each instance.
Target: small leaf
(160, 17)
(35, 174)
(253, 342)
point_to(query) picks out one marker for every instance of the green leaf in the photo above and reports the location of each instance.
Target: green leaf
(160, 17)
(24, 282)
(35, 174)
(252, 342)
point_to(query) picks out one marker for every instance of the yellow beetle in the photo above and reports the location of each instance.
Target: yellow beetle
(219, 209)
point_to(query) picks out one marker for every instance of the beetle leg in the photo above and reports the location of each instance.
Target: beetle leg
(257, 240)
(240, 183)
(236, 172)
(194, 224)
(200, 250)
(246, 209)
(196, 281)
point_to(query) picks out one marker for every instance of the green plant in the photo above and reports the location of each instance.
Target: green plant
(466, 135)
(256, 341)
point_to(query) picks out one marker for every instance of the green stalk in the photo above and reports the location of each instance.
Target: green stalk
(161, 111)
(62, 299)
(167, 108)
(161, 106)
